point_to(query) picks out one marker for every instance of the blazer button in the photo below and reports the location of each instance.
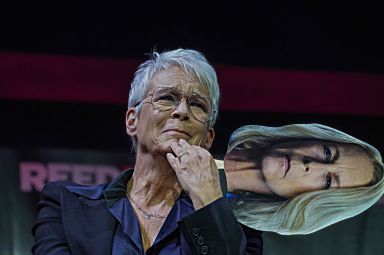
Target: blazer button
(204, 249)
(200, 240)
(195, 231)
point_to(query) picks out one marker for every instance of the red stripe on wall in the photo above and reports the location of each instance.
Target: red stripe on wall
(302, 91)
(102, 80)
(63, 78)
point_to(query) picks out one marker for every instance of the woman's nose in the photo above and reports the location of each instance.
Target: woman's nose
(314, 167)
(181, 111)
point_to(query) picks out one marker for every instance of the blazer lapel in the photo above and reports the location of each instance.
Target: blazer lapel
(88, 224)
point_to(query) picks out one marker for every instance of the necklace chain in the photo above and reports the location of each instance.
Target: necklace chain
(147, 215)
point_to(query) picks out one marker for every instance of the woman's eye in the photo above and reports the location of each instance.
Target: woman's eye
(306, 160)
(327, 154)
(166, 98)
(328, 181)
(198, 105)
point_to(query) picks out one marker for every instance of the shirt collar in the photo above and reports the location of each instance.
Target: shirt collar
(117, 188)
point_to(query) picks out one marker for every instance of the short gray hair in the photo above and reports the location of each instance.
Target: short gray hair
(192, 62)
(309, 211)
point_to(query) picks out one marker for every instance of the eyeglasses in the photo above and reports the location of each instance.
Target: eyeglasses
(167, 98)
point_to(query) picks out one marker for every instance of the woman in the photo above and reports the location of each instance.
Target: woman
(171, 202)
(300, 178)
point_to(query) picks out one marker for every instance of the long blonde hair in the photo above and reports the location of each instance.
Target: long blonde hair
(310, 211)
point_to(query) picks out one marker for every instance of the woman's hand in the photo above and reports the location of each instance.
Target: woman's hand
(196, 171)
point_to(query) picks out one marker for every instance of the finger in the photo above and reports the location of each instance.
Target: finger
(184, 144)
(173, 161)
(192, 150)
(201, 151)
(198, 151)
(176, 148)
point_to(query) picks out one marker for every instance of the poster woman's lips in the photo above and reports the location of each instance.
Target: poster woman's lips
(287, 164)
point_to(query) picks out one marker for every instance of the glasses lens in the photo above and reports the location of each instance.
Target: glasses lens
(165, 99)
(200, 107)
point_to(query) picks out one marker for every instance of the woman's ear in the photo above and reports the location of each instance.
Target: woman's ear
(131, 121)
(209, 139)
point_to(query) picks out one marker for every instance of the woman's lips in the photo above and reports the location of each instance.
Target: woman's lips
(176, 132)
(287, 164)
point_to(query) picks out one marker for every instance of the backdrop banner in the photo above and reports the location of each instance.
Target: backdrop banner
(23, 173)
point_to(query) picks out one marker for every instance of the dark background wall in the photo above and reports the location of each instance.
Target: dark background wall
(315, 35)
(330, 36)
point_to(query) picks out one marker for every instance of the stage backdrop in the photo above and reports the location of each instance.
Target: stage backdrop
(65, 86)
(23, 172)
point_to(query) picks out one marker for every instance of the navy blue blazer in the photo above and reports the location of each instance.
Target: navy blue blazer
(74, 219)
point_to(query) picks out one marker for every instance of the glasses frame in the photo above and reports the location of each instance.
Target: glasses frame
(184, 94)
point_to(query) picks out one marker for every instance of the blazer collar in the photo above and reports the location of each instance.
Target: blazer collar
(112, 191)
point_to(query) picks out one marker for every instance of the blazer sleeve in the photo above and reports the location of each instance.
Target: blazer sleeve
(48, 230)
(214, 229)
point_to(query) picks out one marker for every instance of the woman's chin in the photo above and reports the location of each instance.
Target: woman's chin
(164, 147)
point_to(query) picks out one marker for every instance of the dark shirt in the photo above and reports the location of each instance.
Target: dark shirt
(127, 239)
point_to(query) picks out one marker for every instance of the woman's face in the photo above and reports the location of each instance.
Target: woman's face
(156, 129)
(293, 168)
